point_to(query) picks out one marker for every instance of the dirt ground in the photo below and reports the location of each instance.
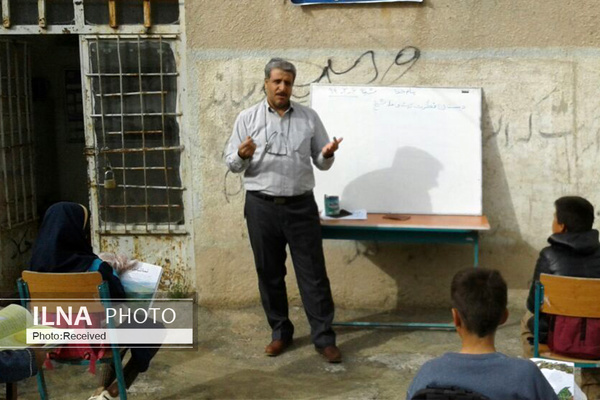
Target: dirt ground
(230, 363)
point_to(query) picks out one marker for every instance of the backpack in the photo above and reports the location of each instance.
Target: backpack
(83, 351)
(575, 336)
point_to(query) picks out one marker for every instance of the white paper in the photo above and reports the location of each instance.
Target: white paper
(560, 376)
(142, 280)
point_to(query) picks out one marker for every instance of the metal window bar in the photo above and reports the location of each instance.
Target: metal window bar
(116, 74)
(146, 132)
(122, 121)
(137, 114)
(18, 205)
(6, 13)
(140, 93)
(4, 139)
(108, 147)
(147, 14)
(142, 168)
(42, 13)
(78, 11)
(11, 128)
(112, 12)
(151, 187)
(144, 206)
(20, 138)
(162, 108)
(138, 150)
(29, 126)
(139, 57)
(103, 122)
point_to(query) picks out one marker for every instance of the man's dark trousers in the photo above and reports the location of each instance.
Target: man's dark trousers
(274, 223)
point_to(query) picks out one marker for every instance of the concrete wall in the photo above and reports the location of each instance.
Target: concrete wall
(539, 67)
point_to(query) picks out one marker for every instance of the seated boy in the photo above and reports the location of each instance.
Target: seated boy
(479, 299)
(574, 251)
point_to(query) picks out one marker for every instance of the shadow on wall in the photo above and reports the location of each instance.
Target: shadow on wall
(503, 247)
(408, 181)
(422, 273)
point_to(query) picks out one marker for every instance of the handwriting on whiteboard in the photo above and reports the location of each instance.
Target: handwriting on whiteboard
(415, 105)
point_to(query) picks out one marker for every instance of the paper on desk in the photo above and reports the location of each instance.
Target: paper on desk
(356, 214)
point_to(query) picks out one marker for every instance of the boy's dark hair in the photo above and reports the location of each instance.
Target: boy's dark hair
(480, 296)
(575, 213)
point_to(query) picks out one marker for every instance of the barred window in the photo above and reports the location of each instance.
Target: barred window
(27, 12)
(89, 16)
(134, 83)
(74, 106)
(97, 12)
(17, 194)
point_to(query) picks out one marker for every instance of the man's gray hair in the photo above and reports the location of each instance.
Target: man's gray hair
(279, 63)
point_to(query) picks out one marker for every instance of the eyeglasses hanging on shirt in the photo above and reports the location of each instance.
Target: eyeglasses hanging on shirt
(276, 142)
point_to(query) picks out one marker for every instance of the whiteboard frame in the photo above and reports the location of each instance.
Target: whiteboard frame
(477, 90)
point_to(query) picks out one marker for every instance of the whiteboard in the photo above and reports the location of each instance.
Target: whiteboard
(409, 150)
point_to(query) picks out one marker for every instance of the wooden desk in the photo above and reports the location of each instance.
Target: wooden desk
(417, 229)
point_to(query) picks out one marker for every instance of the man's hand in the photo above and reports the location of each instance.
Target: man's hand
(247, 148)
(40, 356)
(331, 147)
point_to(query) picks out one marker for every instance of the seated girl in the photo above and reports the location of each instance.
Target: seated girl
(63, 245)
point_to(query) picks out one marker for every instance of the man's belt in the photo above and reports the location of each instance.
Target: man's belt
(280, 199)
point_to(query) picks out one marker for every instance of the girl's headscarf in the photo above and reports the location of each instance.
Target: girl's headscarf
(62, 244)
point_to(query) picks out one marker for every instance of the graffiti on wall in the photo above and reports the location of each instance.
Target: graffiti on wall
(21, 245)
(518, 114)
(366, 68)
(551, 117)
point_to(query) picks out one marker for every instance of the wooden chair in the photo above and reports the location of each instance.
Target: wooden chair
(77, 290)
(567, 296)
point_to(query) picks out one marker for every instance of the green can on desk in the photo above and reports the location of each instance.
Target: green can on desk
(332, 205)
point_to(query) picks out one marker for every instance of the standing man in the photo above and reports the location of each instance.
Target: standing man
(273, 143)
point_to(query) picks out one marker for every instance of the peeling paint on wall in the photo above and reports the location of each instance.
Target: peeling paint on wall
(169, 252)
